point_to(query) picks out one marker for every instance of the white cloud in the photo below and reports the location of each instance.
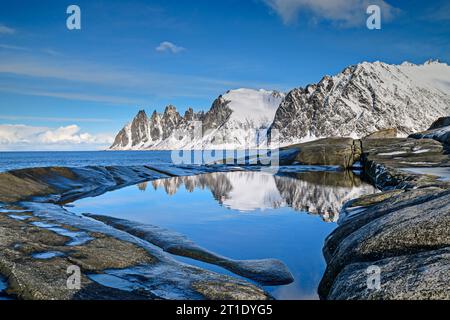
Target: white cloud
(11, 47)
(169, 46)
(71, 96)
(54, 119)
(124, 81)
(345, 13)
(6, 30)
(22, 137)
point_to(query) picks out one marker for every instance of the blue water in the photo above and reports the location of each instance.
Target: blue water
(241, 215)
(21, 160)
(3, 287)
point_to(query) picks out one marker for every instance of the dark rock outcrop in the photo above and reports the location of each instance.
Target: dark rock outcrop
(343, 152)
(440, 123)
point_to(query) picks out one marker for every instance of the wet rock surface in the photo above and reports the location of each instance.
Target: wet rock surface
(404, 231)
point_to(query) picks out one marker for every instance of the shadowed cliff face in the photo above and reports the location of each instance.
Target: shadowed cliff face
(321, 193)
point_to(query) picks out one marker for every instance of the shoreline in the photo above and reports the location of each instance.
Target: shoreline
(48, 188)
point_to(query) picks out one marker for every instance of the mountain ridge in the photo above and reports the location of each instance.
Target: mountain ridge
(363, 98)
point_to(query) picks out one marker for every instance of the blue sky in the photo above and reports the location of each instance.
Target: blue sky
(76, 89)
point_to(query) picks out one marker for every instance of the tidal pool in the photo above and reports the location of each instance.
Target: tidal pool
(244, 215)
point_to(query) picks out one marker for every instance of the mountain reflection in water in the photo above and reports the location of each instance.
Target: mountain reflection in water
(322, 193)
(243, 215)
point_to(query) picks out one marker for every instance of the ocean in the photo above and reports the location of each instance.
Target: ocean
(21, 160)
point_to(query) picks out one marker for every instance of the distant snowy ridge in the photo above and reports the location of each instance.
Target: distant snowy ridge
(360, 100)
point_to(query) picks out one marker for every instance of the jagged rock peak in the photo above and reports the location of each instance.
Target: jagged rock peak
(362, 98)
(170, 109)
(155, 115)
(232, 121)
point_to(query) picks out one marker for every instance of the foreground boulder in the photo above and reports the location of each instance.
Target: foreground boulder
(343, 152)
(384, 160)
(404, 231)
(420, 276)
(413, 229)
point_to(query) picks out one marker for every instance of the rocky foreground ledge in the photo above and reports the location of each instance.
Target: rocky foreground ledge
(404, 230)
(40, 240)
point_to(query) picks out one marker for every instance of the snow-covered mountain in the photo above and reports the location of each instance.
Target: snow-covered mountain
(232, 122)
(360, 100)
(365, 98)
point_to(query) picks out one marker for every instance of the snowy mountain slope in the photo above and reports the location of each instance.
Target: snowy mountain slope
(231, 122)
(257, 108)
(362, 99)
(366, 98)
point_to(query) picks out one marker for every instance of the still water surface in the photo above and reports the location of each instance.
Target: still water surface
(244, 215)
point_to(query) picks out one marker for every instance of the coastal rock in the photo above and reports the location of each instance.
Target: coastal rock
(351, 222)
(64, 185)
(46, 279)
(440, 123)
(420, 276)
(413, 229)
(384, 160)
(404, 230)
(343, 152)
(371, 199)
(383, 134)
(145, 271)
